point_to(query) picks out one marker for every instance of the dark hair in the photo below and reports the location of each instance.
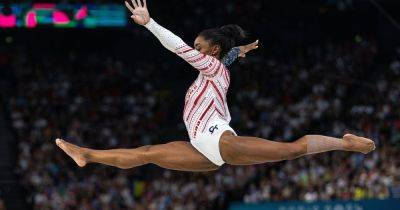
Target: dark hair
(226, 37)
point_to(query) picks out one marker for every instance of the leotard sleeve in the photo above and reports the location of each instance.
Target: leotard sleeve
(206, 64)
(231, 56)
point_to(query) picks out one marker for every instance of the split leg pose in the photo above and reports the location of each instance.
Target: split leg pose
(206, 115)
(182, 156)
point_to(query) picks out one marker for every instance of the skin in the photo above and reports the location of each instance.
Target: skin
(204, 46)
(235, 150)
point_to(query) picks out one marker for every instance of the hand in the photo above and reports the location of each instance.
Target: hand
(247, 48)
(140, 14)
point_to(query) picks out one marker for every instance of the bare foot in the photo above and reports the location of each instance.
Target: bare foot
(75, 152)
(358, 144)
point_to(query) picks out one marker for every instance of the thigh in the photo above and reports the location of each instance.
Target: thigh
(179, 155)
(243, 150)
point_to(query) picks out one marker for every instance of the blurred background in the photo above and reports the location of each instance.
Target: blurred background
(81, 70)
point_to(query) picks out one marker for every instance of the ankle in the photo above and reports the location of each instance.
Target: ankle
(86, 154)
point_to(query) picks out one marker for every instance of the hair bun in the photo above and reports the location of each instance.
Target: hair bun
(234, 32)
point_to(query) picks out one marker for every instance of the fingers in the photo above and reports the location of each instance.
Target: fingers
(129, 6)
(247, 48)
(134, 3)
(254, 45)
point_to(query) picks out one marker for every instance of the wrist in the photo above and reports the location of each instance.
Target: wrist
(149, 23)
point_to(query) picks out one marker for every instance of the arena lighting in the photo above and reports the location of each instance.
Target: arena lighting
(59, 17)
(7, 19)
(82, 13)
(31, 20)
(32, 15)
(49, 6)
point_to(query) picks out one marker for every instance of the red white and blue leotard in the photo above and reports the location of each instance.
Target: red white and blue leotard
(205, 100)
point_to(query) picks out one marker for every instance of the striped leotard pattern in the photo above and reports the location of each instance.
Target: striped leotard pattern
(206, 98)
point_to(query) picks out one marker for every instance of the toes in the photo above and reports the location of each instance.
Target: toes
(61, 145)
(360, 144)
(59, 142)
(371, 144)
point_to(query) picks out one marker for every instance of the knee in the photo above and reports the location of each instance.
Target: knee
(132, 159)
(145, 154)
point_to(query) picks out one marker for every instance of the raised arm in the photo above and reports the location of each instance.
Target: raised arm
(206, 64)
(240, 51)
(231, 56)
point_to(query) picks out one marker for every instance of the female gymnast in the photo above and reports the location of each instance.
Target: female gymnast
(212, 141)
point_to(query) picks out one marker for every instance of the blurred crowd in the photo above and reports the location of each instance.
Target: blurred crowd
(333, 89)
(2, 206)
(99, 101)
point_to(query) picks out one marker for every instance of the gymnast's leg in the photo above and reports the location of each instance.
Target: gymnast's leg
(239, 150)
(177, 155)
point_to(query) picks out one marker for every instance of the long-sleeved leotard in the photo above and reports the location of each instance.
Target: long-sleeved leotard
(231, 56)
(206, 98)
(174, 41)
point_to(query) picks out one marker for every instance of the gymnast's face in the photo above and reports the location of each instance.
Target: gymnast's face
(204, 46)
